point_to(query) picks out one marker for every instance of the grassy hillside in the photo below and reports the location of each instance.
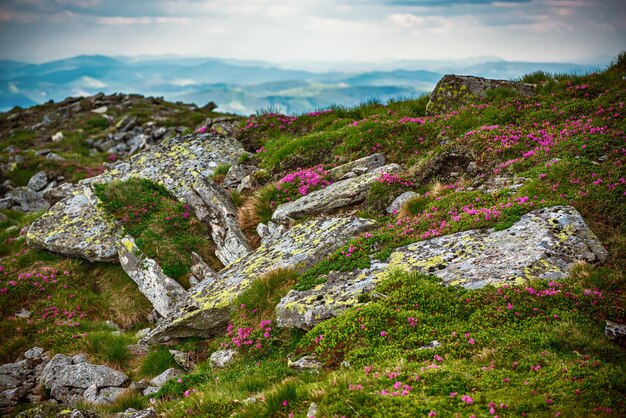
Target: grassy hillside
(536, 350)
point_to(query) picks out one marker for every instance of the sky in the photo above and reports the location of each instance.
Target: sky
(286, 31)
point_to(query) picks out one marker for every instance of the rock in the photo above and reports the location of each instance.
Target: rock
(109, 395)
(454, 91)
(38, 181)
(213, 206)
(182, 359)
(19, 369)
(169, 374)
(23, 313)
(76, 226)
(400, 201)
(223, 358)
(140, 385)
(131, 413)
(138, 349)
(34, 354)
(544, 244)
(237, 173)
(53, 156)
(357, 167)
(162, 291)
(246, 185)
(270, 232)
(305, 363)
(615, 331)
(337, 195)
(61, 372)
(433, 344)
(23, 199)
(59, 193)
(207, 307)
(57, 137)
(79, 359)
(8, 382)
(312, 412)
(136, 143)
(100, 110)
(150, 390)
(142, 333)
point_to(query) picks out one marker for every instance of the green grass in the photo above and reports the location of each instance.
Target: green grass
(265, 292)
(163, 228)
(108, 347)
(156, 361)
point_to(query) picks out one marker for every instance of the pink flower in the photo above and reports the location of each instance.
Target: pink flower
(467, 399)
(383, 333)
(432, 414)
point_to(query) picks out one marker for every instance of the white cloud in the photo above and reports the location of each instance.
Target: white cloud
(90, 82)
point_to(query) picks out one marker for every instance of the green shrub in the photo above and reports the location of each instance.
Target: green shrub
(156, 361)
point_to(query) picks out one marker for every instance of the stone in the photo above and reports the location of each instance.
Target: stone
(139, 385)
(237, 173)
(131, 413)
(357, 167)
(59, 373)
(136, 143)
(544, 244)
(100, 110)
(150, 390)
(313, 411)
(399, 202)
(57, 137)
(305, 363)
(169, 374)
(79, 358)
(337, 195)
(67, 395)
(19, 369)
(223, 358)
(142, 333)
(53, 156)
(162, 291)
(433, 344)
(34, 354)
(23, 199)
(213, 206)
(454, 91)
(182, 359)
(23, 313)
(59, 193)
(76, 226)
(109, 395)
(8, 382)
(206, 310)
(38, 181)
(614, 331)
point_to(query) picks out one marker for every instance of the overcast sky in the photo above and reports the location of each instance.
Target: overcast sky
(315, 30)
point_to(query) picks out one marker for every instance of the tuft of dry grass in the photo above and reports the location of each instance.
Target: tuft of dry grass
(256, 209)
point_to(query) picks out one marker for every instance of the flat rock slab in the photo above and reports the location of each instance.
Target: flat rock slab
(544, 244)
(337, 195)
(76, 226)
(454, 91)
(207, 307)
(61, 372)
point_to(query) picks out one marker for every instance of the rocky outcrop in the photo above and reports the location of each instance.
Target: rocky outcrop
(207, 307)
(399, 202)
(77, 226)
(18, 380)
(213, 206)
(357, 167)
(454, 91)
(161, 290)
(337, 195)
(222, 358)
(544, 244)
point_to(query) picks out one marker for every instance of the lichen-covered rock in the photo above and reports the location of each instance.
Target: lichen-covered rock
(207, 307)
(454, 91)
(213, 206)
(182, 359)
(544, 244)
(76, 226)
(157, 382)
(337, 195)
(161, 290)
(615, 331)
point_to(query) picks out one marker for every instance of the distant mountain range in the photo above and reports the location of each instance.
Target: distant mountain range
(243, 87)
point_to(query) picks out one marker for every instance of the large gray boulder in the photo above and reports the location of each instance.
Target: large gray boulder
(161, 290)
(207, 307)
(83, 375)
(544, 244)
(454, 91)
(337, 195)
(77, 226)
